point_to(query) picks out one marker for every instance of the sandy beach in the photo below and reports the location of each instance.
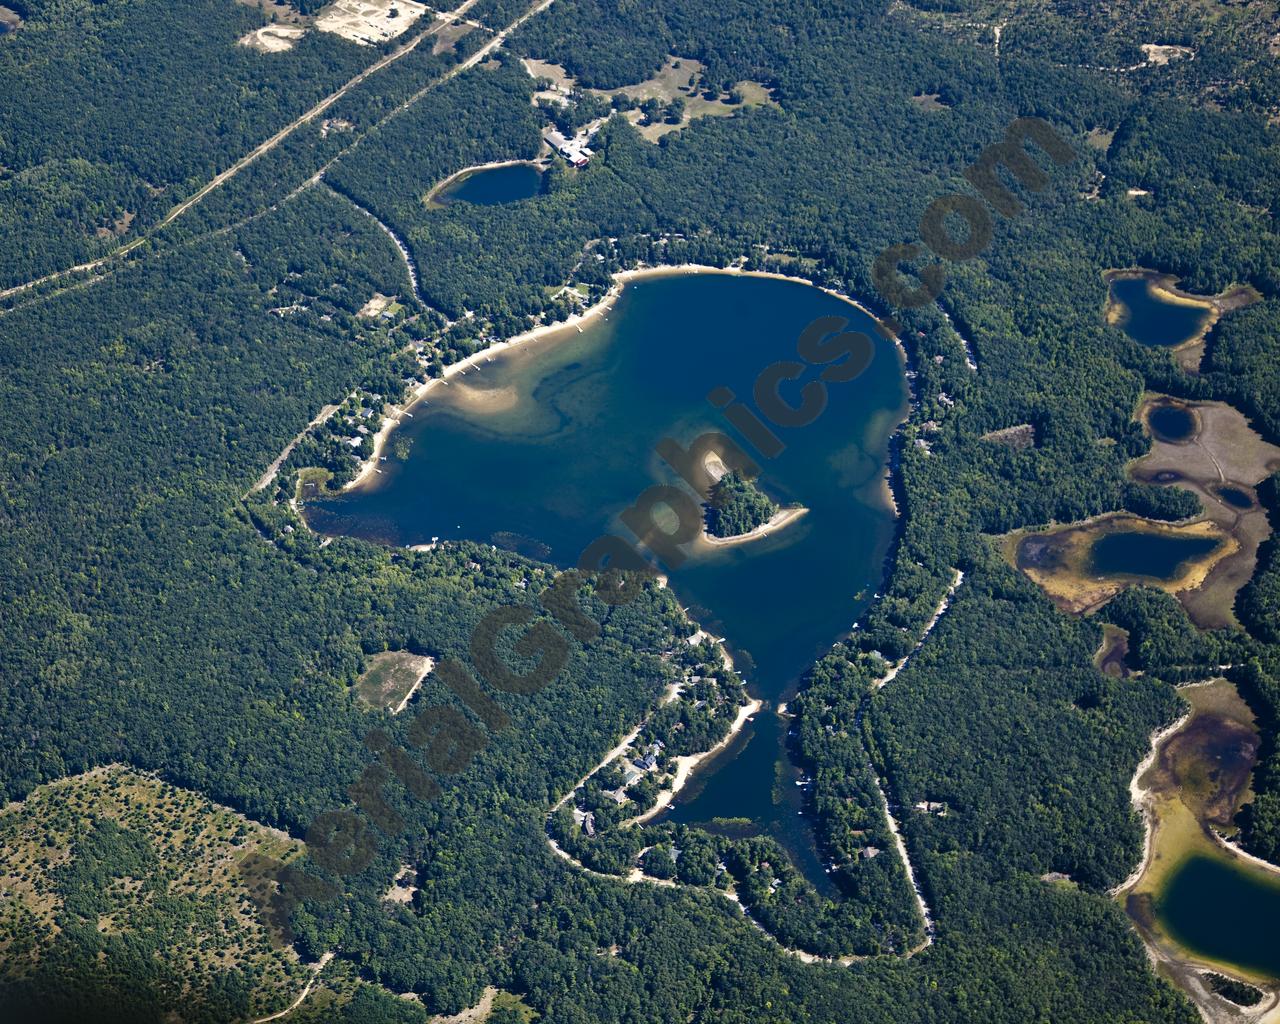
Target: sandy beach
(575, 322)
(685, 765)
(393, 417)
(780, 520)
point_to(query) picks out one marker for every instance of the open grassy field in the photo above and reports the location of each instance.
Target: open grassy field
(678, 78)
(391, 679)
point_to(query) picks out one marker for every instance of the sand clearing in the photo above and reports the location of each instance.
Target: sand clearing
(273, 38)
(368, 22)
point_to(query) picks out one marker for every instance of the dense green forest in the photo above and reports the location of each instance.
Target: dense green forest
(737, 506)
(161, 614)
(130, 144)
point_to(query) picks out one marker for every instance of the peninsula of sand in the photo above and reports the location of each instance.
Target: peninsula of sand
(780, 520)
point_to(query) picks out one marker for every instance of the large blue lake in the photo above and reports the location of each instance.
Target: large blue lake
(543, 447)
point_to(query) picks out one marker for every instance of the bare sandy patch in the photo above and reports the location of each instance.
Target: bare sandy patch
(930, 102)
(1022, 435)
(273, 38)
(392, 678)
(377, 305)
(403, 886)
(485, 400)
(474, 1014)
(1158, 55)
(369, 22)
(1100, 139)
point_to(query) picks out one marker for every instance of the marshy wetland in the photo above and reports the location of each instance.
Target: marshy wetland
(1083, 565)
(1221, 460)
(1207, 448)
(1198, 903)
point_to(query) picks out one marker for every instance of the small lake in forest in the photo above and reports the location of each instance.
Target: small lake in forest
(1159, 556)
(492, 186)
(1152, 318)
(553, 439)
(1224, 910)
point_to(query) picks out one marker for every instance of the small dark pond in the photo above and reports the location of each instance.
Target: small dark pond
(1172, 423)
(494, 186)
(1225, 911)
(1159, 556)
(1235, 497)
(1152, 320)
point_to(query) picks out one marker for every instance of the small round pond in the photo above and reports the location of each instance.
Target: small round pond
(493, 186)
(1170, 423)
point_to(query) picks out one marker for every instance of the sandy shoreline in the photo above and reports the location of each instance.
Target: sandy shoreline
(688, 763)
(392, 418)
(1189, 352)
(1142, 800)
(620, 280)
(780, 520)
(1184, 966)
